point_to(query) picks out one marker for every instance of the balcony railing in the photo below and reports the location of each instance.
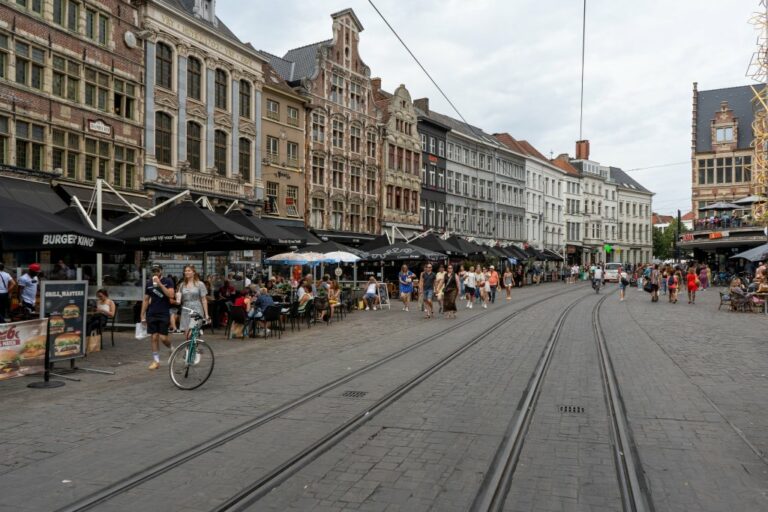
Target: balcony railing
(719, 224)
(273, 115)
(202, 182)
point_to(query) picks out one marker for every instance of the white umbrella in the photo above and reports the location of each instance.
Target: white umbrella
(341, 257)
(749, 200)
(295, 258)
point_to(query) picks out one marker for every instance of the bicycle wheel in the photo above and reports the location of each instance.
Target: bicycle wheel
(191, 372)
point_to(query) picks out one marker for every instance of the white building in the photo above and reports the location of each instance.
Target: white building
(635, 239)
(573, 217)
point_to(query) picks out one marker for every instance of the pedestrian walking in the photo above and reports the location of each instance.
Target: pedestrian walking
(655, 279)
(704, 277)
(450, 292)
(7, 286)
(28, 289)
(427, 289)
(692, 284)
(664, 277)
(481, 280)
(470, 281)
(509, 281)
(191, 294)
(440, 286)
(623, 283)
(672, 283)
(156, 312)
(405, 278)
(493, 283)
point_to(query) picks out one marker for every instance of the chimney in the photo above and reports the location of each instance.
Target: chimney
(422, 104)
(376, 83)
(582, 150)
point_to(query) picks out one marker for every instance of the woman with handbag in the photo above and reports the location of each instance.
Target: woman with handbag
(692, 283)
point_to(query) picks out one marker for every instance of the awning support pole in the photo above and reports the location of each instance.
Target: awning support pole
(99, 224)
(148, 212)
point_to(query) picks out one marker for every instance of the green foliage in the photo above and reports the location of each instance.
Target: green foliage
(663, 242)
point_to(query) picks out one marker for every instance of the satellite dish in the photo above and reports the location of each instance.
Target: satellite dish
(130, 39)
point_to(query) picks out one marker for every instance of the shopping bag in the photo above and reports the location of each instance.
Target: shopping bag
(93, 343)
(141, 331)
(237, 330)
(361, 304)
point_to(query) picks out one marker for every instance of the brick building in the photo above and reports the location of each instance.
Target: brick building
(71, 107)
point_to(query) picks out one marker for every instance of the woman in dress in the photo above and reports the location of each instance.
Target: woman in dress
(704, 276)
(191, 294)
(450, 292)
(691, 279)
(509, 281)
(440, 286)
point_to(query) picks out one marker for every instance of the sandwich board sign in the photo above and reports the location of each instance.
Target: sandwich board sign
(383, 296)
(64, 303)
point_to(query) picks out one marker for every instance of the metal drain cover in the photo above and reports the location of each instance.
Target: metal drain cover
(354, 394)
(571, 409)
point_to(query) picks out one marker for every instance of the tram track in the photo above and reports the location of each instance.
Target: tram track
(633, 489)
(280, 473)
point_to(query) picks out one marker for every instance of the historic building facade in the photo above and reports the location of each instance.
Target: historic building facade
(203, 101)
(634, 219)
(343, 141)
(721, 152)
(573, 217)
(282, 149)
(432, 135)
(401, 167)
(70, 97)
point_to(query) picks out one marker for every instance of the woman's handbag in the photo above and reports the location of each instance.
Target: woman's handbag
(648, 287)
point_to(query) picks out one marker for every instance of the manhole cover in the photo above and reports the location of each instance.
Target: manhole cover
(354, 394)
(571, 409)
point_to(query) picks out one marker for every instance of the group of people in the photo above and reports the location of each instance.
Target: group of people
(23, 289)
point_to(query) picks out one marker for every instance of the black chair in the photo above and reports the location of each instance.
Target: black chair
(294, 316)
(235, 314)
(271, 319)
(307, 312)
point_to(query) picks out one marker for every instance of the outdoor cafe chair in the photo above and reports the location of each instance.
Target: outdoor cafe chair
(235, 314)
(294, 316)
(271, 319)
(307, 312)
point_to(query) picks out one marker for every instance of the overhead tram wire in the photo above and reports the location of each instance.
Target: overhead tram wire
(583, 48)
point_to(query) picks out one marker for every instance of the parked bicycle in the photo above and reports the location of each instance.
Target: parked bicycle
(191, 363)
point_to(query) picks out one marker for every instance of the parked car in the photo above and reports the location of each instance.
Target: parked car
(612, 272)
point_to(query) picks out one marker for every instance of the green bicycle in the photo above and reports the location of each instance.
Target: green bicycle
(191, 363)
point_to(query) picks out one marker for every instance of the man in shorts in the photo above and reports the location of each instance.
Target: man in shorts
(427, 287)
(156, 311)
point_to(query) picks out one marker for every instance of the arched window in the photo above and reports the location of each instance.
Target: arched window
(163, 138)
(244, 165)
(245, 99)
(220, 152)
(221, 89)
(194, 78)
(194, 145)
(164, 66)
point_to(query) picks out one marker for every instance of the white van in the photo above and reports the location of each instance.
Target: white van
(612, 272)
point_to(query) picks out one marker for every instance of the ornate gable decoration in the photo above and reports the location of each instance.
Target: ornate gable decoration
(724, 129)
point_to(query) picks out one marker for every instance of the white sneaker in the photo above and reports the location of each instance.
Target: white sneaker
(197, 356)
(367, 308)
(406, 309)
(485, 306)
(470, 305)
(268, 332)
(374, 308)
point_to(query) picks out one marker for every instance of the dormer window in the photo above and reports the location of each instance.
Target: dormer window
(724, 134)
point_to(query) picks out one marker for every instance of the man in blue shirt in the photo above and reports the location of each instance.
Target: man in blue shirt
(156, 311)
(28, 288)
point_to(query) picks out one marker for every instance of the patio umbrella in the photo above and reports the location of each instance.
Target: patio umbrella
(749, 200)
(24, 227)
(297, 258)
(403, 252)
(720, 206)
(331, 246)
(759, 253)
(186, 227)
(437, 244)
(513, 251)
(271, 233)
(377, 243)
(342, 257)
(465, 246)
(73, 213)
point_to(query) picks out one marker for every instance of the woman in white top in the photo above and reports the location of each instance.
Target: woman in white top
(105, 309)
(623, 283)
(191, 294)
(470, 282)
(482, 283)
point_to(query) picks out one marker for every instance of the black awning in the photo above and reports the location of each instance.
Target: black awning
(551, 255)
(345, 237)
(109, 201)
(297, 230)
(271, 232)
(37, 193)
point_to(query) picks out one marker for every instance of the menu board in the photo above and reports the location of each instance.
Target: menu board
(64, 303)
(22, 348)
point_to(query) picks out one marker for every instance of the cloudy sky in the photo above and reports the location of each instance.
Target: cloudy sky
(514, 66)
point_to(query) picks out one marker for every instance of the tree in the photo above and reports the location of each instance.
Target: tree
(664, 242)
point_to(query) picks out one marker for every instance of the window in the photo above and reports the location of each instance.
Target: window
(423, 142)
(125, 167)
(432, 173)
(273, 148)
(65, 13)
(318, 170)
(724, 135)
(163, 138)
(370, 187)
(293, 154)
(390, 196)
(292, 200)
(220, 152)
(32, 5)
(4, 140)
(244, 159)
(318, 128)
(273, 110)
(392, 159)
(354, 217)
(194, 78)
(124, 99)
(432, 145)
(96, 159)
(406, 201)
(337, 215)
(398, 198)
(355, 137)
(3, 56)
(355, 177)
(337, 174)
(245, 99)
(317, 212)
(96, 26)
(372, 144)
(370, 219)
(164, 66)
(338, 134)
(66, 79)
(272, 193)
(220, 99)
(293, 116)
(65, 153)
(30, 62)
(441, 148)
(337, 89)
(450, 181)
(356, 101)
(96, 89)
(194, 145)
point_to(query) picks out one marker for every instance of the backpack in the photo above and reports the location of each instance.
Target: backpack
(672, 280)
